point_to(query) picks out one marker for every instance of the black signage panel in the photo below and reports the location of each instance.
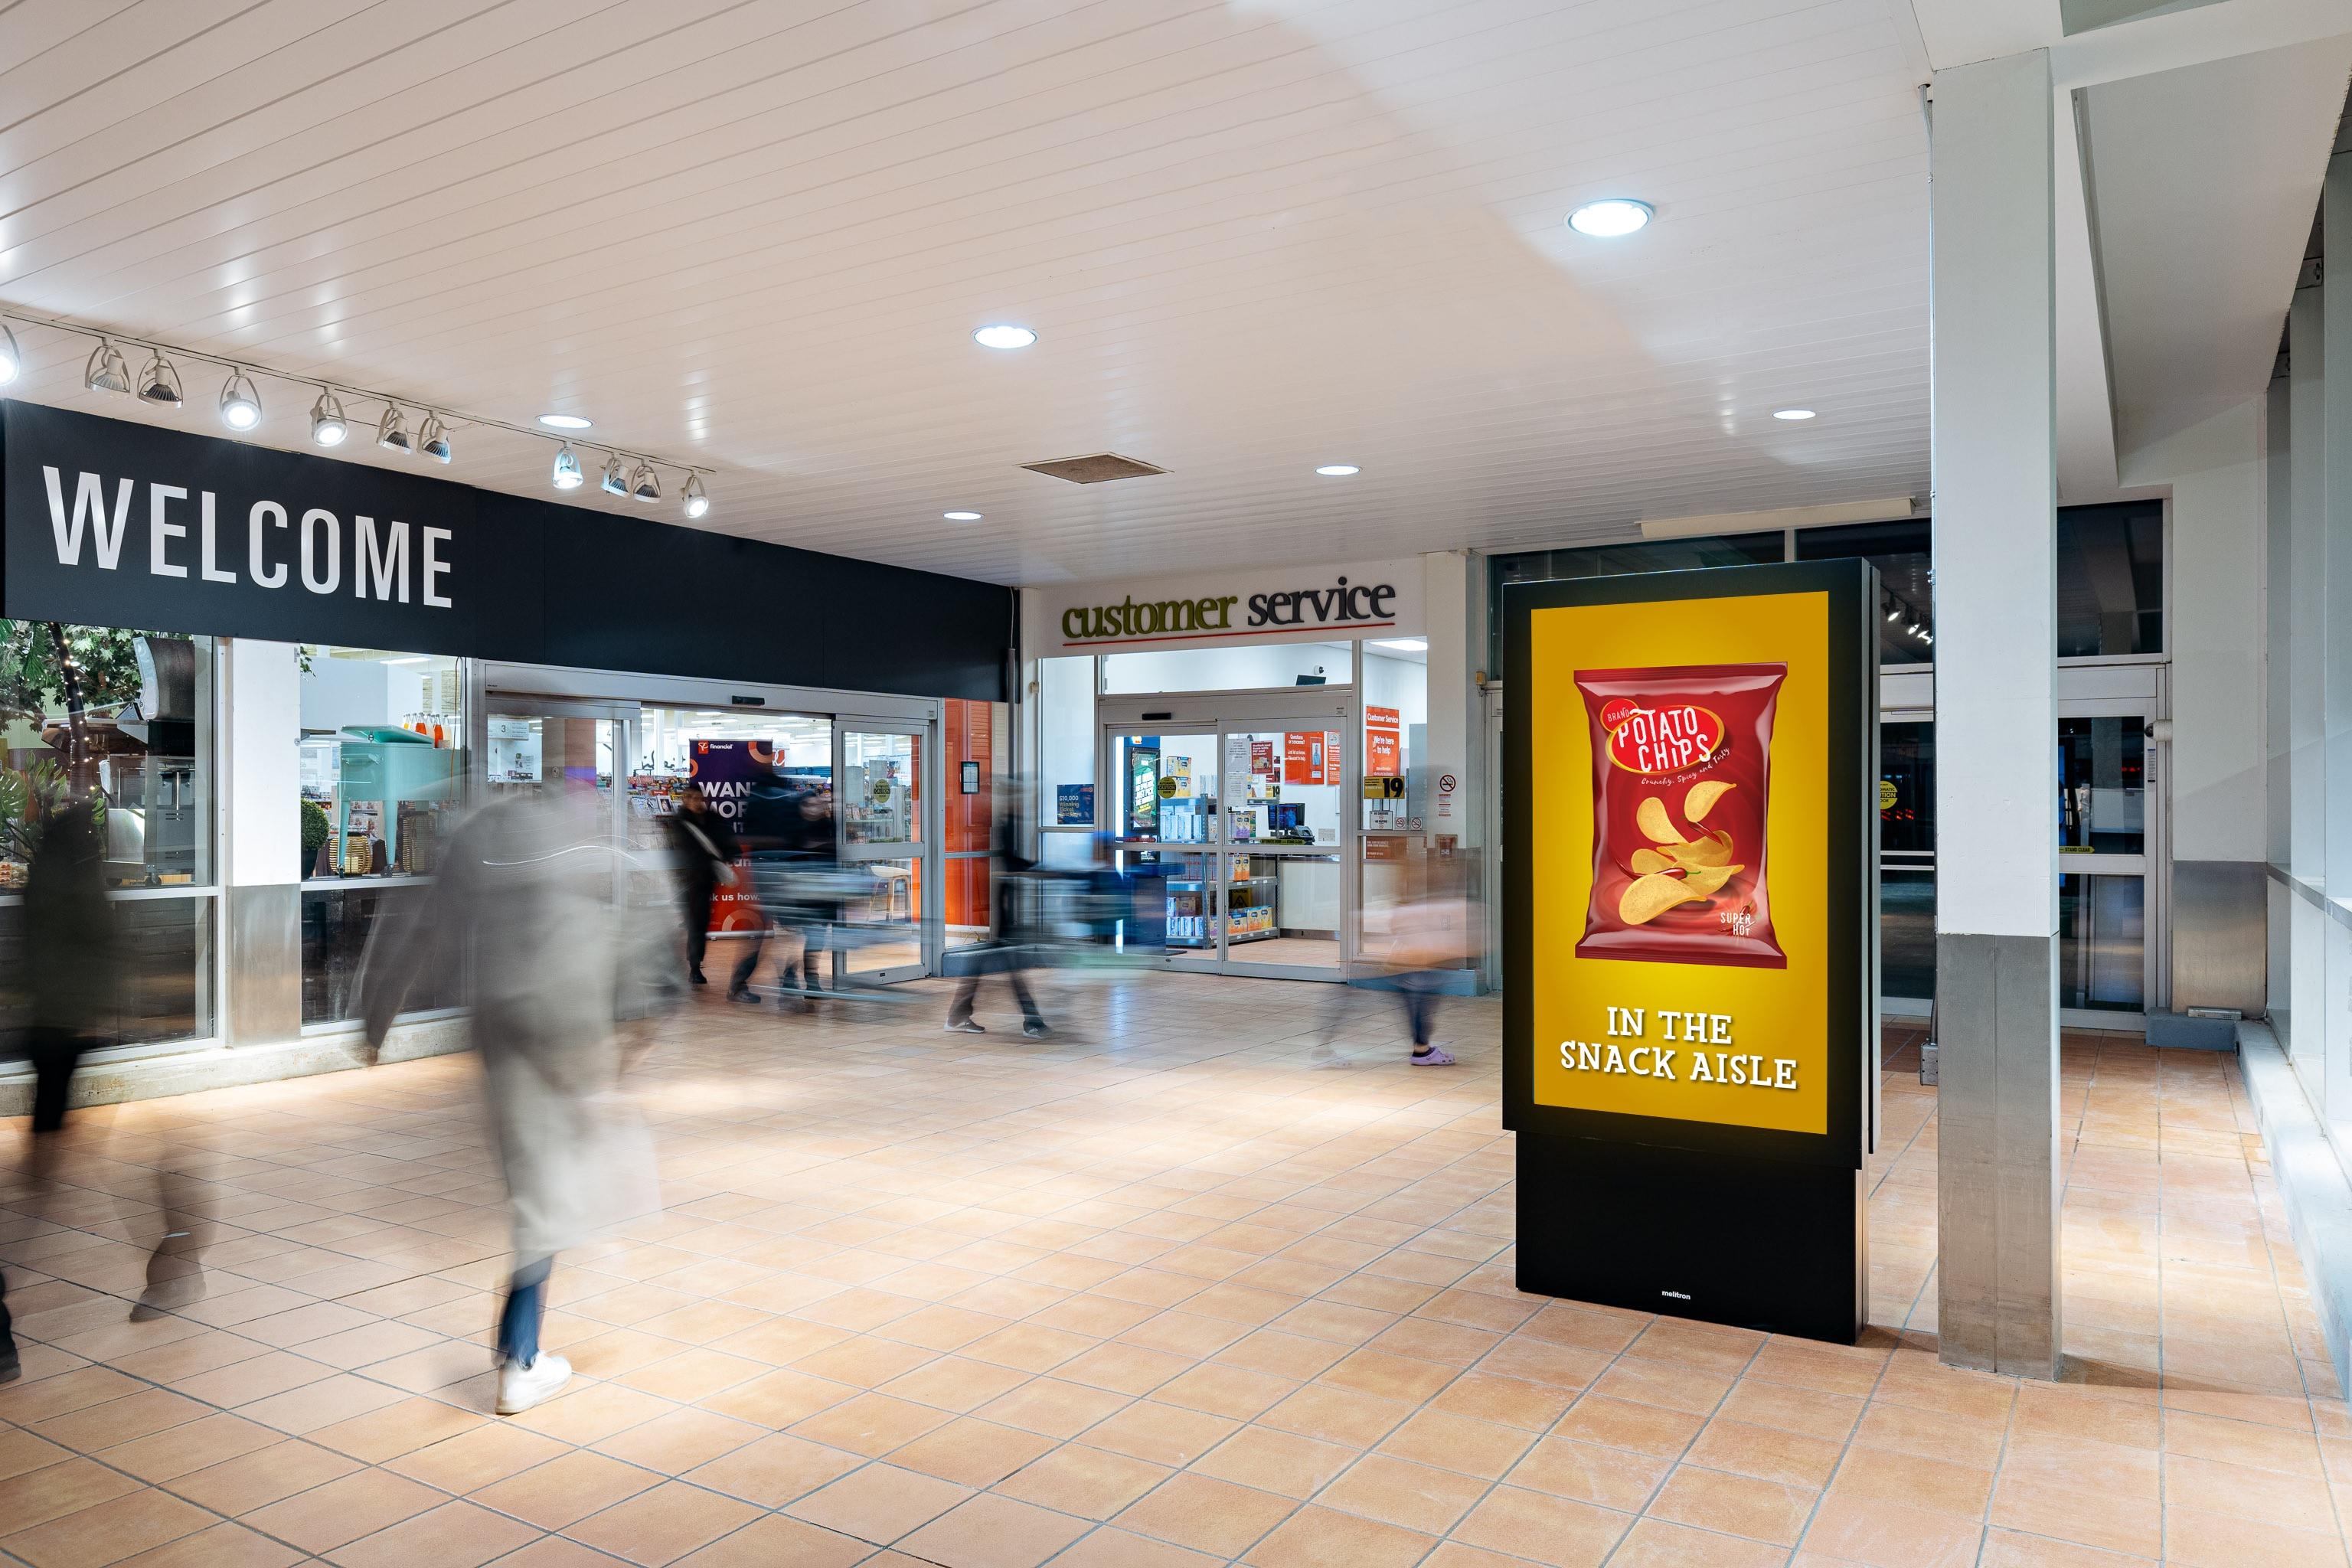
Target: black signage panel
(114, 523)
(1691, 926)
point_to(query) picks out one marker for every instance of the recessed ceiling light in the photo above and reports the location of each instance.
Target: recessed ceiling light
(563, 422)
(1611, 219)
(1792, 414)
(1403, 644)
(1338, 470)
(961, 516)
(1003, 335)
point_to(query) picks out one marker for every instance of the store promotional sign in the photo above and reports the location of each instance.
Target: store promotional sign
(1368, 599)
(1383, 742)
(1691, 795)
(726, 770)
(122, 524)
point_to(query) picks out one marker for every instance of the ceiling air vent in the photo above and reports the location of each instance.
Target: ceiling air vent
(1097, 469)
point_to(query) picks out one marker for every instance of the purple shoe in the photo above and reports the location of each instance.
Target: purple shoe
(1435, 1056)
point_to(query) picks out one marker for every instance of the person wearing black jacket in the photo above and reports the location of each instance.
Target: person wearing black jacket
(1005, 950)
(706, 851)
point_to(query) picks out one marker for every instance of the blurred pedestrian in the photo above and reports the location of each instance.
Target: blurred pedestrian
(1006, 951)
(1429, 940)
(526, 889)
(706, 851)
(766, 832)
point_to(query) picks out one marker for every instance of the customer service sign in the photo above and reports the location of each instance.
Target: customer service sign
(1689, 851)
(1370, 599)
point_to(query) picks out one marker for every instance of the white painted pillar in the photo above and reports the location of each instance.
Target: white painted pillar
(1992, 317)
(2304, 676)
(1445, 587)
(263, 771)
(2335, 640)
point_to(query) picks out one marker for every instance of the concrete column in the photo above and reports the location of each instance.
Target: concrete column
(264, 771)
(2278, 594)
(1445, 587)
(2335, 640)
(2304, 676)
(1992, 317)
(2219, 891)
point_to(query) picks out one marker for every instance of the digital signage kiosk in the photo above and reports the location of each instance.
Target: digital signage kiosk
(1691, 877)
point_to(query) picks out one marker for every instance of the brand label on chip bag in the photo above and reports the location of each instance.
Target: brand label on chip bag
(1682, 763)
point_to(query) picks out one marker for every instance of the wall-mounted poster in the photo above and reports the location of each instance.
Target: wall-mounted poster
(1383, 742)
(1073, 804)
(1691, 814)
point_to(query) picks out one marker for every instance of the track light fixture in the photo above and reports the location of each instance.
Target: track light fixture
(645, 484)
(240, 404)
(433, 438)
(613, 483)
(1893, 612)
(567, 475)
(10, 360)
(328, 427)
(108, 370)
(697, 503)
(391, 432)
(159, 382)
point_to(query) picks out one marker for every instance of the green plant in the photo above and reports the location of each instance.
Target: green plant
(315, 828)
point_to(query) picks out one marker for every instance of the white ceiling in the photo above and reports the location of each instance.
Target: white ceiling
(1254, 237)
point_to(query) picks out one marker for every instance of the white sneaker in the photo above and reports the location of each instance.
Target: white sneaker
(520, 1387)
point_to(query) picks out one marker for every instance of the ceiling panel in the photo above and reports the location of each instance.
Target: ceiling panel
(1254, 237)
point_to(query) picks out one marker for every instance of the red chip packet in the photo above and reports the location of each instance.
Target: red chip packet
(1682, 760)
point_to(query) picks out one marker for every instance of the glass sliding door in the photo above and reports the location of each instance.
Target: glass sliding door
(887, 845)
(1286, 879)
(1906, 863)
(575, 752)
(1166, 835)
(2107, 832)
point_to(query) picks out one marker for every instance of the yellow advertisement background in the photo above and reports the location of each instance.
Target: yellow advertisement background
(1775, 1012)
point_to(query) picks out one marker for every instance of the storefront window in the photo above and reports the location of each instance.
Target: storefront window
(1065, 751)
(2111, 580)
(383, 784)
(123, 719)
(1395, 732)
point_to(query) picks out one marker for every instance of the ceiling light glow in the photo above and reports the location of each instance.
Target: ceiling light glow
(1003, 335)
(563, 422)
(1792, 414)
(240, 404)
(328, 427)
(1338, 470)
(1613, 218)
(697, 502)
(1403, 644)
(961, 516)
(10, 359)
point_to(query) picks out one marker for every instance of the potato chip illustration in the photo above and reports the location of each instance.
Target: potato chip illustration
(1715, 850)
(1682, 776)
(1652, 896)
(1703, 796)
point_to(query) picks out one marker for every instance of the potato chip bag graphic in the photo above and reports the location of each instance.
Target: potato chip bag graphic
(1682, 764)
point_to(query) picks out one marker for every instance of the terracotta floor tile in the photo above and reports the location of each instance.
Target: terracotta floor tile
(1890, 1535)
(1765, 1453)
(676, 1443)
(344, 1511)
(871, 1424)
(1161, 1434)
(1513, 1401)
(991, 1531)
(240, 1485)
(774, 1471)
(660, 1526)
(1051, 1406)
(1324, 1537)
(1878, 1475)
(774, 1541)
(455, 1535)
(566, 1488)
(1544, 1529)
(955, 1383)
(879, 1503)
(972, 1452)
(1205, 1515)
(221, 1546)
(394, 1429)
(475, 1458)
(1618, 1424)
(1735, 1505)
(1389, 1376)
(779, 1398)
(1093, 1483)
(1109, 1547)
(1397, 1492)
(168, 1455)
(108, 1532)
(1656, 1544)
(1618, 1479)
(1457, 1443)
(1274, 1461)
(2198, 1539)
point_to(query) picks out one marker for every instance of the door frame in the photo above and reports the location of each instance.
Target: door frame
(1217, 714)
(929, 822)
(2150, 864)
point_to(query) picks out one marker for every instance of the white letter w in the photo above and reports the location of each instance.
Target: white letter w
(89, 501)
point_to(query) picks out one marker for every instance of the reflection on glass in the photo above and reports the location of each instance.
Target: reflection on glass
(2101, 786)
(2110, 580)
(2102, 942)
(1167, 788)
(1282, 786)
(161, 990)
(879, 928)
(725, 749)
(1903, 553)
(1288, 908)
(879, 798)
(1906, 933)
(1177, 903)
(337, 925)
(1616, 561)
(1907, 849)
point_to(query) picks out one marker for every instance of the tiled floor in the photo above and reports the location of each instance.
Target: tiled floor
(1165, 1291)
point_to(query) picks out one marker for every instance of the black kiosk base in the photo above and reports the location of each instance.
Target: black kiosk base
(1762, 1243)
